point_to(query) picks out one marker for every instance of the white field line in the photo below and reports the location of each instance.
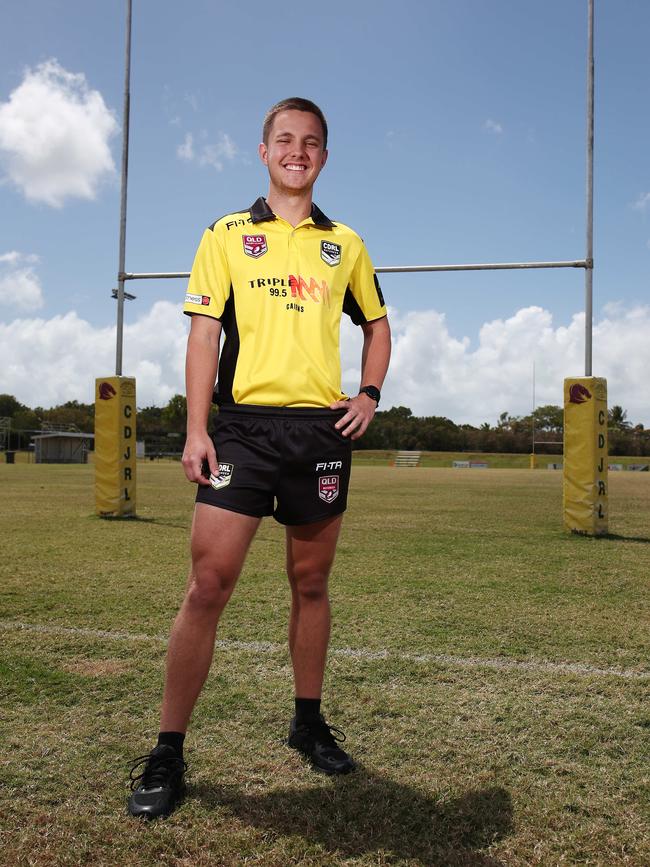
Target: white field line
(536, 666)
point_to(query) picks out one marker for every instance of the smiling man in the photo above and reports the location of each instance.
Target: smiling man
(275, 278)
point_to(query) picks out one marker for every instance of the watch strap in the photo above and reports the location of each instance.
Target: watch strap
(372, 391)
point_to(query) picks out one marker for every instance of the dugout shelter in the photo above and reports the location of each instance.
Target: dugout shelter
(62, 447)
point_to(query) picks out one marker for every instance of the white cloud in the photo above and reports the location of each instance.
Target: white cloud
(208, 154)
(185, 151)
(45, 362)
(20, 287)
(493, 126)
(54, 136)
(215, 154)
(642, 202)
(49, 361)
(434, 373)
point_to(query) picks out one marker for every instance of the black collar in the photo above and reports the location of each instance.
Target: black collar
(260, 213)
(320, 219)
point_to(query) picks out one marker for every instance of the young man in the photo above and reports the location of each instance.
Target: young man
(276, 278)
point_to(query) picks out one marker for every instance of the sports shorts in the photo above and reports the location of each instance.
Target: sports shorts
(289, 463)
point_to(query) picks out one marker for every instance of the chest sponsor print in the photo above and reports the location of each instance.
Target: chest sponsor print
(223, 477)
(330, 253)
(255, 245)
(328, 488)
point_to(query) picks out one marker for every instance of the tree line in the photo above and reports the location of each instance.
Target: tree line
(398, 428)
(163, 429)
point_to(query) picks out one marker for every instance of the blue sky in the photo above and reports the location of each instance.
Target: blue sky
(457, 135)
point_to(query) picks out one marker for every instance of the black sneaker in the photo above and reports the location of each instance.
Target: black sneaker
(318, 741)
(157, 790)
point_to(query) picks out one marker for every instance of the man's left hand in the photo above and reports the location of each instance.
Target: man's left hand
(360, 412)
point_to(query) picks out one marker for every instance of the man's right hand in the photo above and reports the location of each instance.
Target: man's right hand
(199, 450)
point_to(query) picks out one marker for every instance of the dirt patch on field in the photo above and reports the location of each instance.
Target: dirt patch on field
(96, 667)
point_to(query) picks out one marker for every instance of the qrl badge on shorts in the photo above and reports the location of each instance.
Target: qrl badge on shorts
(328, 488)
(223, 477)
(255, 245)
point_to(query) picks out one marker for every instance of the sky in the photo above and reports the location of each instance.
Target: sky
(457, 135)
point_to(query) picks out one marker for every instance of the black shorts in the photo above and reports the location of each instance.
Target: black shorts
(289, 463)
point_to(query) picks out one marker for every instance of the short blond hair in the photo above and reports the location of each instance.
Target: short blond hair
(293, 103)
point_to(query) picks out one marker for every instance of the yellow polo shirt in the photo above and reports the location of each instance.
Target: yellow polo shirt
(279, 292)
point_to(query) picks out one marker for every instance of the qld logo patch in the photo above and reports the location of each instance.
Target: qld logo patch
(254, 245)
(328, 488)
(223, 477)
(330, 253)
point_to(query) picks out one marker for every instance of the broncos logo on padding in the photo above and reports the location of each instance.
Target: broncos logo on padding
(106, 391)
(579, 393)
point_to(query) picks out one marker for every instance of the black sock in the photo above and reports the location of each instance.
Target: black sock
(307, 709)
(172, 739)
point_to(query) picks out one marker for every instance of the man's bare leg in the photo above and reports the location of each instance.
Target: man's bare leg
(310, 555)
(220, 540)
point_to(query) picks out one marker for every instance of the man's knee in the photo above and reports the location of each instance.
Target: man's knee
(309, 584)
(208, 590)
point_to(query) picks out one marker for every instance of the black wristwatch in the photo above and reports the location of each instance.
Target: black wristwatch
(372, 391)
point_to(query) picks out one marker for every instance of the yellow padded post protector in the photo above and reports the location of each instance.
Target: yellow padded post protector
(585, 455)
(115, 465)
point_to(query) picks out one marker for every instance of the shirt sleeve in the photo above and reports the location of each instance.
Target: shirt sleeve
(363, 300)
(210, 285)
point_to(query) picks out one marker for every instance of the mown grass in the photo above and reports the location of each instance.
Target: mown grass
(460, 764)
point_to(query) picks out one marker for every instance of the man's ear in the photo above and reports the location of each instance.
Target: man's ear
(324, 158)
(263, 151)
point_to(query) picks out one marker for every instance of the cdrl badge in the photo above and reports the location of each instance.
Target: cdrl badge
(254, 245)
(223, 477)
(328, 488)
(330, 253)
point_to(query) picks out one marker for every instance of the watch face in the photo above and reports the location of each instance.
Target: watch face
(372, 392)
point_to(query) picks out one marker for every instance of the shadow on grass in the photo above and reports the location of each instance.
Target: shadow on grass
(615, 537)
(608, 537)
(367, 812)
(139, 519)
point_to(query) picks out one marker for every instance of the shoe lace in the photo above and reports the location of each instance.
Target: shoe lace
(329, 735)
(156, 771)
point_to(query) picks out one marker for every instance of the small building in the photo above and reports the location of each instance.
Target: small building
(62, 447)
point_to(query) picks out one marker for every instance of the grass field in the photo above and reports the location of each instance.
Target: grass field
(491, 673)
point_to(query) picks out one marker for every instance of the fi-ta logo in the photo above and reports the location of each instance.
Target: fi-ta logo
(328, 465)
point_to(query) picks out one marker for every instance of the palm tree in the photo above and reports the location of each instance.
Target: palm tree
(618, 418)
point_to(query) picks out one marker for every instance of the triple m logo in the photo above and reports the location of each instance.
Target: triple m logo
(314, 288)
(301, 287)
